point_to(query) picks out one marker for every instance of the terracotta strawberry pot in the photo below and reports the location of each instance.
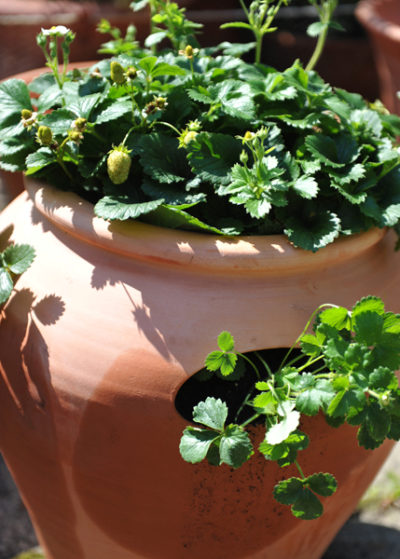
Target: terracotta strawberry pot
(103, 330)
(381, 18)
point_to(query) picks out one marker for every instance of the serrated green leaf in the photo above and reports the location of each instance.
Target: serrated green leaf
(377, 421)
(164, 69)
(226, 341)
(334, 152)
(176, 218)
(235, 447)
(308, 506)
(18, 258)
(262, 385)
(312, 399)
(215, 156)
(219, 360)
(14, 96)
(265, 402)
(147, 63)
(41, 83)
(14, 151)
(60, 121)
(394, 431)
(195, 444)
(124, 207)
(306, 187)
(344, 401)
(41, 158)
(235, 98)
(366, 440)
(83, 106)
(110, 111)
(211, 413)
(288, 491)
(338, 317)
(6, 285)
(370, 303)
(314, 232)
(310, 345)
(49, 99)
(368, 326)
(161, 158)
(383, 378)
(322, 483)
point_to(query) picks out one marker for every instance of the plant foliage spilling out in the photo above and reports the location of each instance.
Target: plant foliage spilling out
(200, 139)
(345, 370)
(14, 260)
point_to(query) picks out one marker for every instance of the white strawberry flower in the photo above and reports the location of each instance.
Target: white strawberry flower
(56, 31)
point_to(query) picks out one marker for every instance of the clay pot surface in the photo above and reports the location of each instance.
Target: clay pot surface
(381, 18)
(100, 334)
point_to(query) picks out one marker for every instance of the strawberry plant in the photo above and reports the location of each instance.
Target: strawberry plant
(201, 139)
(345, 369)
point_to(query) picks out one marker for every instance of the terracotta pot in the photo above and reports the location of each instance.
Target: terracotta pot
(381, 18)
(102, 331)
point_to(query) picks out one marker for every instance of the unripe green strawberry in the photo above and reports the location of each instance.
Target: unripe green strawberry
(44, 136)
(118, 164)
(117, 73)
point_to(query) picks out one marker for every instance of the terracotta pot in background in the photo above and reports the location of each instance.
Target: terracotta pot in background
(381, 18)
(21, 21)
(101, 333)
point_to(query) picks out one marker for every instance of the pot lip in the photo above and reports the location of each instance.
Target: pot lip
(267, 254)
(367, 11)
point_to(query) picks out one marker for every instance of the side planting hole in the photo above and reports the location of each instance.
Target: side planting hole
(231, 389)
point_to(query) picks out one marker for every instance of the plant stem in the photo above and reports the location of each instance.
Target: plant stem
(303, 477)
(248, 421)
(252, 365)
(318, 50)
(325, 13)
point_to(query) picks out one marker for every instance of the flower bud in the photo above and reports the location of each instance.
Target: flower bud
(80, 124)
(75, 136)
(244, 157)
(118, 164)
(248, 136)
(26, 114)
(131, 73)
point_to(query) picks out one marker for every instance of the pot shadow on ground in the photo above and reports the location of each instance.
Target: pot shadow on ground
(28, 407)
(359, 540)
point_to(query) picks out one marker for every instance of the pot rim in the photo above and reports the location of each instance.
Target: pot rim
(267, 254)
(367, 11)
